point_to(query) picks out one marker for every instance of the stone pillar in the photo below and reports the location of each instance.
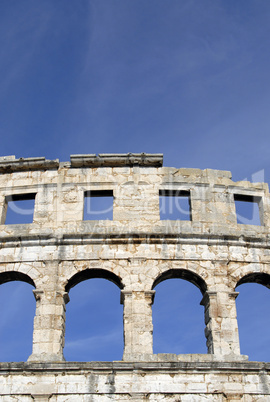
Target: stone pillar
(3, 209)
(49, 326)
(138, 326)
(221, 324)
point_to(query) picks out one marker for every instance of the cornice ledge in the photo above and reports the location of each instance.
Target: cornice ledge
(10, 165)
(116, 160)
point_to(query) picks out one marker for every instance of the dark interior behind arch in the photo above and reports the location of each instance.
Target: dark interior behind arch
(15, 276)
(93, 273)
(256, 277)
(182, 274)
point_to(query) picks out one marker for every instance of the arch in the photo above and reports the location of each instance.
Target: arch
(255, 277)
(252, 305)
(189, 276)
(15, 276)
(16, 315)
(240, 273)
(90, 274)
(94, 321)
(178, 315)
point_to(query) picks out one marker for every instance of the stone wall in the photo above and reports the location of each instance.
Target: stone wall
(136, 250)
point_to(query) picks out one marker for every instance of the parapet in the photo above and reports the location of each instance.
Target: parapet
(136, 183)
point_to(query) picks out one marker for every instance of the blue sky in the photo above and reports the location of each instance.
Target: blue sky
(187, 78)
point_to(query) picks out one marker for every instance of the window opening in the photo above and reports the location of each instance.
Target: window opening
(20, 208)
(178, 318)
(98, 205)
(17, 313)
(94, 322)
(247, 209)
(174, 205)
(253, 305)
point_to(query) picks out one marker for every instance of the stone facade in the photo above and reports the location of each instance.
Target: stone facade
(136, 250)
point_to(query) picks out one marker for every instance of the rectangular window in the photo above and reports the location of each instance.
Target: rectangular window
(247, 209)
(98, 205)
(20, 208)
(174, 205)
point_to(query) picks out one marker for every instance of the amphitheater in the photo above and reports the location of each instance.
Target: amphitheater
(136, 250)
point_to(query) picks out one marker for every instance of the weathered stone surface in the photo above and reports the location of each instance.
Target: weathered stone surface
(122, 381)
(136, 250)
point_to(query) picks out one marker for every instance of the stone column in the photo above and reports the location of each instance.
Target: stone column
(221, 324)
(3, 209)
(49, 326)
(138, 326)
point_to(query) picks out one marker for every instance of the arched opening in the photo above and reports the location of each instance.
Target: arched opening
(94, 317)
(178, 317)
(17, 311)
(253, 306)
(93, 273)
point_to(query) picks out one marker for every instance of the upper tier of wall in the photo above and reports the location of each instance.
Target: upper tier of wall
(135, 180)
